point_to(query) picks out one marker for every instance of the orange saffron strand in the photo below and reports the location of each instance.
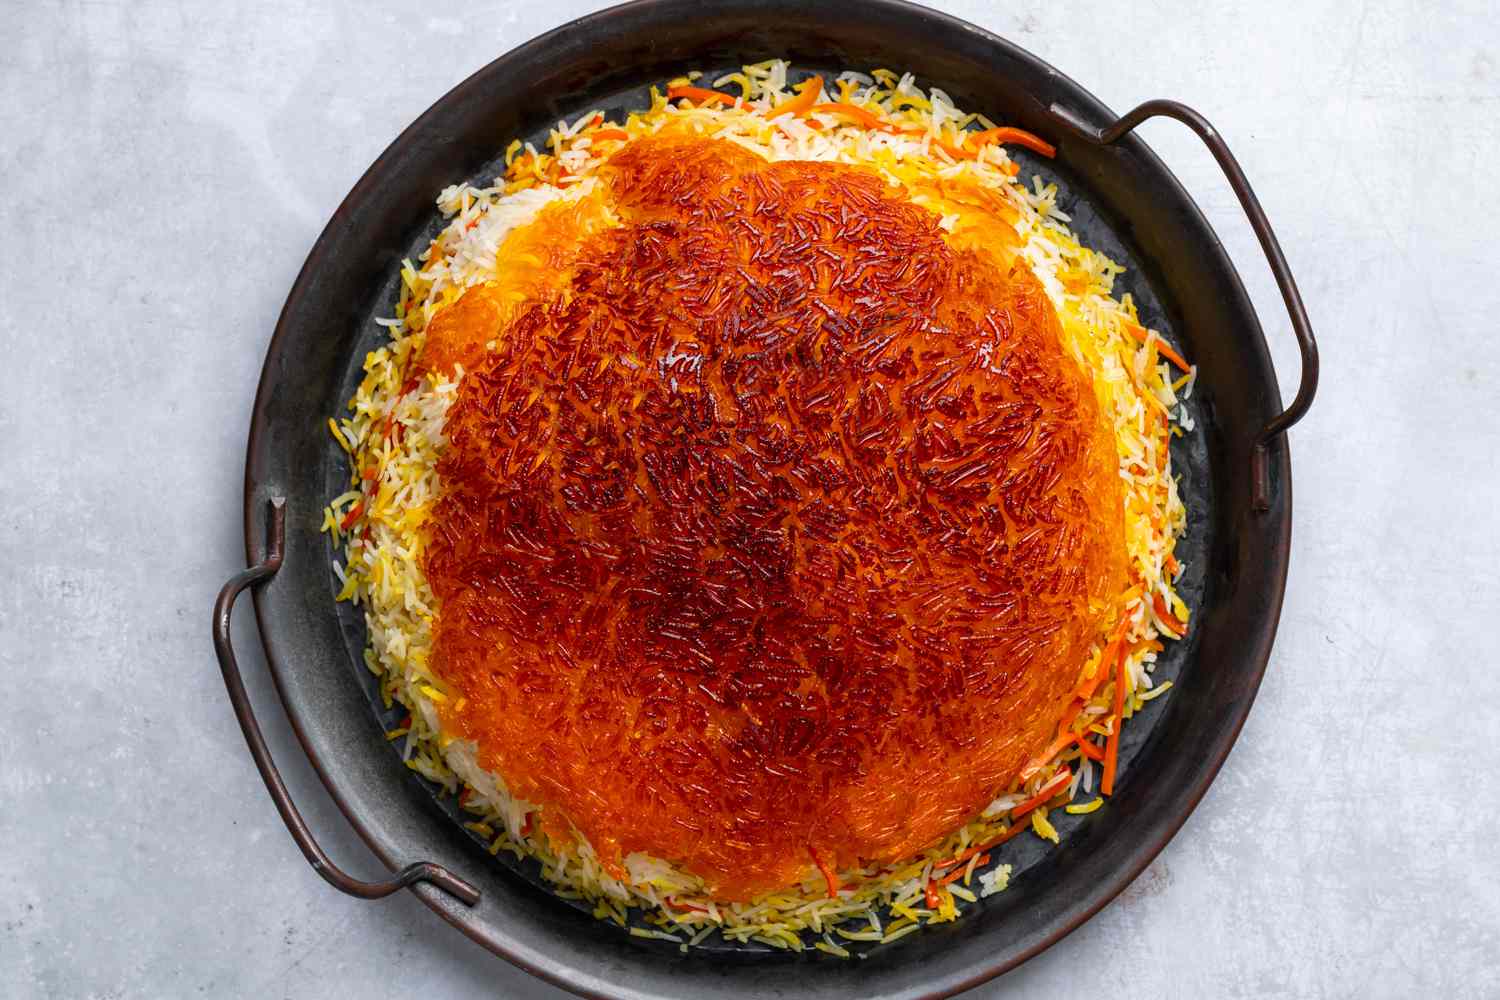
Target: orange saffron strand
(617, 134)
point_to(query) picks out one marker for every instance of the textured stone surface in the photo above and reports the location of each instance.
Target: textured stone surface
(163, 170)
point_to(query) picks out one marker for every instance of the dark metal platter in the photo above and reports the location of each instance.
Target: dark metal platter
(1123, 202)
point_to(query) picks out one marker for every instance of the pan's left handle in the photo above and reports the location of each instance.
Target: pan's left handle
(1260, 475)
(421, 871)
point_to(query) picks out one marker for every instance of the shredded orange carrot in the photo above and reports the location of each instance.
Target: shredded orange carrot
(1112, 746)
(350, 517)
(1045, 757)
(1086, 690)
(701, 95)
(617, 134)
(1140, 333)
(1090, 749)
(1165, 614)
(867, 119)
(807, 96)
(958, 873)
(966, 855)
(1046, 793)
(1173, 566)
(1015, 828)
(806, 101)
(828, 873)
(1005, 135)
(930, 896)
(957, 152)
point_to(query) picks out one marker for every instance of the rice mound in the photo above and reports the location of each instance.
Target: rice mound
(395, 438)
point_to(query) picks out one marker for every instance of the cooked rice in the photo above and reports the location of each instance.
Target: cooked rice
(394, 436)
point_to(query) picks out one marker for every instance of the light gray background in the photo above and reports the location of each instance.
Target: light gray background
(163, 171)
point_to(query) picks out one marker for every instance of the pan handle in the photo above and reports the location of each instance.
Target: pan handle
(1260, 476)
(422, 871)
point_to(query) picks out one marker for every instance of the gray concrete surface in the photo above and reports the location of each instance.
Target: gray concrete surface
(165, 167)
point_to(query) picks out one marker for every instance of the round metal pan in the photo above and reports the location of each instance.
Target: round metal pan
(1235, 467)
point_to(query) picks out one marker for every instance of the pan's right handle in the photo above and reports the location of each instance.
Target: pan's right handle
(1260, 476)
(422, 871)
